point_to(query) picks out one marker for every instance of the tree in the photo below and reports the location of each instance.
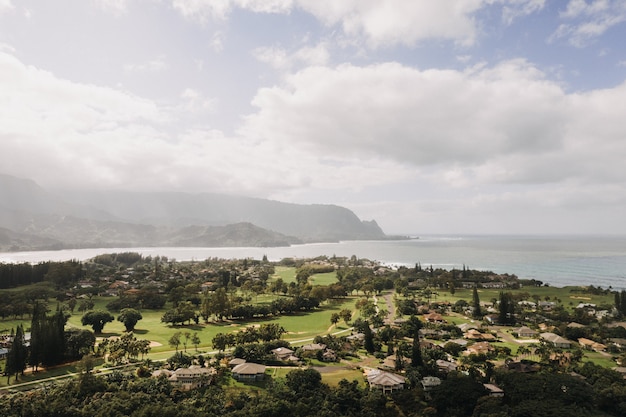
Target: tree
(97, 319)
(334, 318)
(79, 342)
(346, 315)
(129, 317)
(195, 340)
(368, 341)
(37, 338)
(17, 355)
(476, 304)
(174, 341)
(506, 308)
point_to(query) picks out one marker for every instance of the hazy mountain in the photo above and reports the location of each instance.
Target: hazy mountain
(33, 217)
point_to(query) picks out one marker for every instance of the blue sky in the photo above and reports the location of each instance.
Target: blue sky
(455, 116)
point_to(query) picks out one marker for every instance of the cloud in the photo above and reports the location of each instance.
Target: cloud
(505, 124)
(380, 23)
(418, 117)
(280, 59)
(69, 134)
(203, 10)
(6, 6)
(588, 21)
(115, 6)
(514, 9)
(155, 65)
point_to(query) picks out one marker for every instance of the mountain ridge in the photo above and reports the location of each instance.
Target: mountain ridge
(34, 218)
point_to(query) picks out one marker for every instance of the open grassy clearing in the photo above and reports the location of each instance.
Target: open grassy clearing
(569, 297)
(286, 273)
(326, 278)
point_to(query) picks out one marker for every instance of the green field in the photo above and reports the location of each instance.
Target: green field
(569, 297)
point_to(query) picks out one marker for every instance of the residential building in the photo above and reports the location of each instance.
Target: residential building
(249, 372)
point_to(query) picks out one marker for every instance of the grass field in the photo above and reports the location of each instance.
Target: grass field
(569, 296)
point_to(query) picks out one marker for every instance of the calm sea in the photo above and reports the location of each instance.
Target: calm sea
(559, 261)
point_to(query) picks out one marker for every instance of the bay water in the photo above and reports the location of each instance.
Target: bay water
(557, 260)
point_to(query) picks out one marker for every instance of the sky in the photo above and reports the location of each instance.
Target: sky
(431, 117)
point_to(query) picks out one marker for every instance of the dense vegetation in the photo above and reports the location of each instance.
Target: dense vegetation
(539, 379)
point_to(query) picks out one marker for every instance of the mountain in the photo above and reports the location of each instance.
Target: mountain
(32, 217)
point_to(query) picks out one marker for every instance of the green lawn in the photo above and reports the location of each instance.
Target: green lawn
(327, 278)
(287, 273)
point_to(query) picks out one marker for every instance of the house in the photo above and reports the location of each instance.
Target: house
(3, 353)
(434, 318)
(284, 354)
(329, 355)
(430, 382)
(556, 340)
(249, 372)
(387, 382)
(547, 305)
(445, 366)
(460, 342)
(466, 326)
(236, 361)
(474, 334)
(591, 345)
(618, 342)
(527, 304)
(526, 332)
(313, 347)
(192, 377)
(523, 367)
(479, 348)
(494, 390)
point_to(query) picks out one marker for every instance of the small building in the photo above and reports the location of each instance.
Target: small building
(479, 348)
(284, 354)
(525, 331)
(547, 305)
(591, 345)
(556, 340)
(466, 326)
(236, 361)
(387, 382)
(192, 377)
(313, 347)
(329, 355)
(249, 372)
(434, 318)
(445, 366)
(3, 353)
(494, 390)
(430, 382)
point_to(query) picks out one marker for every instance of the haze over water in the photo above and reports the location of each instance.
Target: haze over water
(557, 260)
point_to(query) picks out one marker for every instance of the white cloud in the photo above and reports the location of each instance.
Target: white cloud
(280, 59)
(6, 6)
(420, 117)
(217, 41)
(155, 65)
(5, 47)
(379, 22)
(514, 9)
(195, 102)
(202, 10)
(69, 134)
(587, 21)
(115, 6)
(484, 126)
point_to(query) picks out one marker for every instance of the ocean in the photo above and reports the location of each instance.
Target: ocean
(557, 260)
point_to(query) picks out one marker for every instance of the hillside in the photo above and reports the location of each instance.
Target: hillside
(35, 218)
